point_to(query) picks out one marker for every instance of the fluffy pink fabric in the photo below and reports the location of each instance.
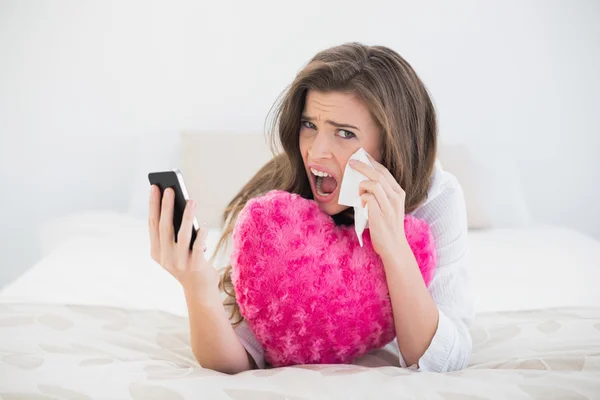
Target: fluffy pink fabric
(307, 289)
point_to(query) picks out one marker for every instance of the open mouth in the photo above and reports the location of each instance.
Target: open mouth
(324, 184)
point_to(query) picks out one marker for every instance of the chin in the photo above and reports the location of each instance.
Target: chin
(332, 208)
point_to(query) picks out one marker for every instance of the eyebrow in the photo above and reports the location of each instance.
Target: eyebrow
(330, 122)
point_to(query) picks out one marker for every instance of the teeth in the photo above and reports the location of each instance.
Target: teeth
(319, 173)
(319, 191)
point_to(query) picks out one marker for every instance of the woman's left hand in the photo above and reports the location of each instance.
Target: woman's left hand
(385, 199)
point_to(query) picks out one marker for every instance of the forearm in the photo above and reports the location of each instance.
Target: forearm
(415, 313)
(213, 339)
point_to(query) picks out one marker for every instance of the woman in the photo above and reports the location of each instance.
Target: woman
(347, 97)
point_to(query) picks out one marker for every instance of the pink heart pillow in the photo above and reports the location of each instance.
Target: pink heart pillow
(306, 288)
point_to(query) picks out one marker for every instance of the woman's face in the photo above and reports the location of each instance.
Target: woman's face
(334, 125)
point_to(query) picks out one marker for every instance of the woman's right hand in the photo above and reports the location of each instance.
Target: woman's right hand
(189, 267)
(213, 340)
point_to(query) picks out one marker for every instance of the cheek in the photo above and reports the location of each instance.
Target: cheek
(374, 152)
(372, 144)
(344, 155)
(343, 160)
(303, 144)
(374, 149)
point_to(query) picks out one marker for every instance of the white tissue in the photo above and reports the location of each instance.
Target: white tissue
(350, 193)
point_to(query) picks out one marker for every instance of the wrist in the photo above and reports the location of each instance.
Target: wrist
(200, 280)
(202, 294)
(398, 255)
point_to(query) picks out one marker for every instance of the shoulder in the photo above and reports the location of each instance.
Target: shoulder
(445, 200)
(446, 213)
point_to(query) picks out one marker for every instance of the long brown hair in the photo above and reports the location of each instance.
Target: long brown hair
(398, 102)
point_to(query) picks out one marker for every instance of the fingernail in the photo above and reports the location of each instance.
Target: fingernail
(353, 162)
(192, 204)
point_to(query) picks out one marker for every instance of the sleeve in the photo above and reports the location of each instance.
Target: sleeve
(451, 346)
(251, 344)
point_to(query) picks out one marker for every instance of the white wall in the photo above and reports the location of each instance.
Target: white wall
(79, 80)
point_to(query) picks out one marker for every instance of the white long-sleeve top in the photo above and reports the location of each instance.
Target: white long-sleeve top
(450, 349)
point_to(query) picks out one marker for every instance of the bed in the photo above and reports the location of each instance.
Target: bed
(95, 317)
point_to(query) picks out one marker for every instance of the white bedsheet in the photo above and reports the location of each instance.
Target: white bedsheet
(89, 352)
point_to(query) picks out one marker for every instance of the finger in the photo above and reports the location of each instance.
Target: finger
(185, 232)
(153, 222)
(394, 185)
(167, 238)
(200, 243)
(376, 189)
(370, 200)
(373, 175)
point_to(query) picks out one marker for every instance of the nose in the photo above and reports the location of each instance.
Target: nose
(320, 148)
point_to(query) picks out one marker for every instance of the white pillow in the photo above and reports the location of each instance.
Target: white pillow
(491, 184)
(488, 175)
(113, 225)
(90, 223)
(531, 268)
(100, 258)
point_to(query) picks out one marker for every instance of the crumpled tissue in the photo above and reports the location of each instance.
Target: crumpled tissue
(350, 194)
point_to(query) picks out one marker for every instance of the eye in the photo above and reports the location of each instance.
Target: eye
(345, 134)
(308, 124)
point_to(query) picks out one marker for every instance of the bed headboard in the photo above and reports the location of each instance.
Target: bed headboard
(216, 165)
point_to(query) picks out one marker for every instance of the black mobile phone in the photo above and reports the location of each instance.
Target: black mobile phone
(174, 179)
